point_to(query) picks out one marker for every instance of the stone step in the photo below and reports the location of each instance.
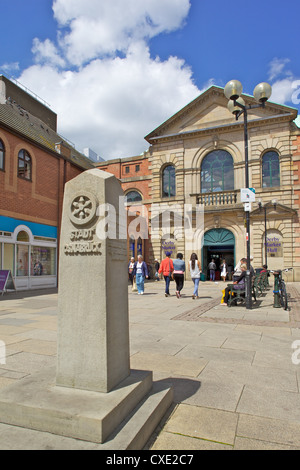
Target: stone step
(137, 429)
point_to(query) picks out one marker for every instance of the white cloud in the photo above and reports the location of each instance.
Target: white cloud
(99, 28)
(276, 67)
(10, 67)
(46, 52)
(286, 87)
(109, 101)
(111, 104)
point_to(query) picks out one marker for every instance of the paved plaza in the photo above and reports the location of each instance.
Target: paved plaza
(236, 385)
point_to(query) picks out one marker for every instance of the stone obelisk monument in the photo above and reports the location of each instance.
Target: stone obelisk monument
(93, 328)
(93, 393)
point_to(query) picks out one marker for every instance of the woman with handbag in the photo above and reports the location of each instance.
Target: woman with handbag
(166, 268)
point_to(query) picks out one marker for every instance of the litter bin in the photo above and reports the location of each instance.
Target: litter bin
(202, 277)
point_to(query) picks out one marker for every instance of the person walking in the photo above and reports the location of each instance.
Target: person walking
(166, 268)
(178, 273)
(156, 265)
(195, 270)
(212, 270)
(130, 270)
(224, 269)
(140, 271)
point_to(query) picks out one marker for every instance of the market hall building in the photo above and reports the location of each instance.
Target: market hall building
(197, 158)
(35, 164)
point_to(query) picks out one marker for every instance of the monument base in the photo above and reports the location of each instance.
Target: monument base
(37, 403)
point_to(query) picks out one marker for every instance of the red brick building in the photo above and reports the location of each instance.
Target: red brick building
(135, 176)
(35, 163)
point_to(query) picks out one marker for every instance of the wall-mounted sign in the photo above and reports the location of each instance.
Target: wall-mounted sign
(247, 195)
(168, 245)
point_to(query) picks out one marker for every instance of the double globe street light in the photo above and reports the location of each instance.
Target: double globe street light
(237, 106)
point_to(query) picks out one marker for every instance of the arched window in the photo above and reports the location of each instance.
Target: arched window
(169, 181)
(24, 165)
(217, 172)
(2, 155)
(270, 170)
(133, 196)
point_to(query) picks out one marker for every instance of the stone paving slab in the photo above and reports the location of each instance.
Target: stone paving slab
(235, 386)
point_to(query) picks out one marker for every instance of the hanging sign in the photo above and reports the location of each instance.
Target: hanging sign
(247, 195)
(6, 281)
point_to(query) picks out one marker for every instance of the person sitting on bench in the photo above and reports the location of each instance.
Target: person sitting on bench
(239, 284)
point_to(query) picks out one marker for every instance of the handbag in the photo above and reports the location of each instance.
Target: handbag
(134, 288)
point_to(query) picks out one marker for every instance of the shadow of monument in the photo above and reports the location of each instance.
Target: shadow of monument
(182, 389)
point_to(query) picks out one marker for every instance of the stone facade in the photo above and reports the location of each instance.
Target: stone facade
(183, 141)
(204, 126)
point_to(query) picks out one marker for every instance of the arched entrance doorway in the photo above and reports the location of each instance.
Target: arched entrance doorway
(219, 243)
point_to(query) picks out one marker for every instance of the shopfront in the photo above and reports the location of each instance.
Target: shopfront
(29, 251)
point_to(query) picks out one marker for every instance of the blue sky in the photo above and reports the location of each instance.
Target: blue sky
(113, 70)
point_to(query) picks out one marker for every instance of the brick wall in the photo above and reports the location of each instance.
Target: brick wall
(38, 200)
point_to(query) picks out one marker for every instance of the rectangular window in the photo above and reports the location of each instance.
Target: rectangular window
(9, 257)
(137, 168)
(126, 169)
(43, 261)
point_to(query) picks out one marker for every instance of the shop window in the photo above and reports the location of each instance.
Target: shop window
(9, 257)
(133, 196)
(217, 172)
(24, 165)
(270, 170)
(2, 155)
(43, 261)
(169, 181)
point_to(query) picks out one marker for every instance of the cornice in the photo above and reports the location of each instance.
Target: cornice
(235, 126)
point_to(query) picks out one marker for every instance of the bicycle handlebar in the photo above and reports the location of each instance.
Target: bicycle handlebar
(281, 270)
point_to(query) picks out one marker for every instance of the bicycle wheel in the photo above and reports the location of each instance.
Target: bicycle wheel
(283, 296)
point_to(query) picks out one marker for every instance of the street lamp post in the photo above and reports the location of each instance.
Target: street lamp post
(237, 106)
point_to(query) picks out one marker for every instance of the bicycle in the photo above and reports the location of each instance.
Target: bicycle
(280, 288)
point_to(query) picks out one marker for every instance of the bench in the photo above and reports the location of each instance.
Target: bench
(259, 284)
(239, 295)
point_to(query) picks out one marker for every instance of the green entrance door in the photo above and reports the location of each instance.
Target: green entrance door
(219, 244)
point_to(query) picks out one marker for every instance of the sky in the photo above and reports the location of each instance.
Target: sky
(114, 70)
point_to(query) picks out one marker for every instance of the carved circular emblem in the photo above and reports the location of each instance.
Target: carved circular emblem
(83, 209)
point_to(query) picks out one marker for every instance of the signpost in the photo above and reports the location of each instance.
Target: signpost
(247, 195)
(6, 281)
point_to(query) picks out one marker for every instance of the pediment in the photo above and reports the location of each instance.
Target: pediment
(209, 110)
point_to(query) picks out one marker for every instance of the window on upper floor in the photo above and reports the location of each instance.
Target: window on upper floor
(217, 172)
(169, 181)
(270, 169)
(133, 196)
(2, 155)
(24, 165)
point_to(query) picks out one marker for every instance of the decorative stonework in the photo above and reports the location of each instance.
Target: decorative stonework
(83, 209)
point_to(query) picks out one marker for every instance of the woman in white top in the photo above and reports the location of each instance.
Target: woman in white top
(195, 270)
(223, 270)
